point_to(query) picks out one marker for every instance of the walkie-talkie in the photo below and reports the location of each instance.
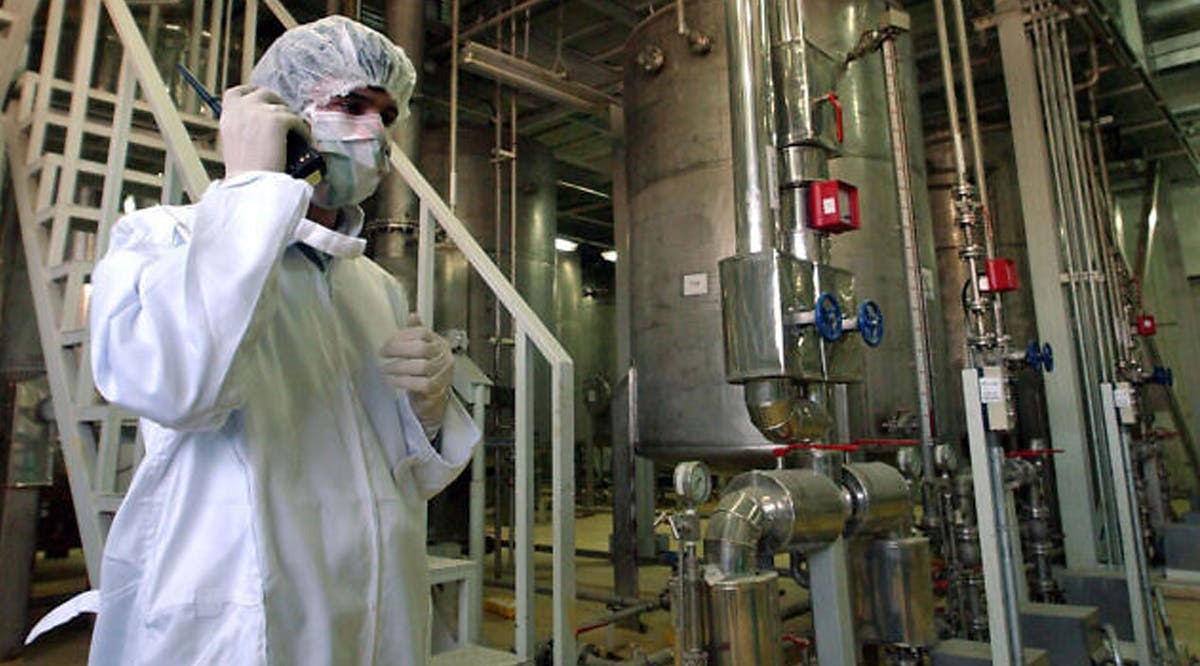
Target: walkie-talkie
(301, 162)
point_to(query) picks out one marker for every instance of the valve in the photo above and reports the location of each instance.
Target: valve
(1162, 376)
(828, 317)
(870, 323)
(1145, 325)
(1039, 357)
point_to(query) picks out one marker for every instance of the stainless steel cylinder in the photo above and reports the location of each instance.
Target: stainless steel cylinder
(745, 625)
(531, 267)
(680, 171)
(893, 595)
(880, 497)
(800, 508)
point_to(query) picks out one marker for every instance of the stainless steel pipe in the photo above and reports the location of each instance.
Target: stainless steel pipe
(752, 108)
(922, 364)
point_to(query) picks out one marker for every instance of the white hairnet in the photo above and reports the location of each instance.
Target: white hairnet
(314, 62)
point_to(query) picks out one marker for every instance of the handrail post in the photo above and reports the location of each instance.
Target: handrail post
(525, 497)
(563, 457)
(426, 237)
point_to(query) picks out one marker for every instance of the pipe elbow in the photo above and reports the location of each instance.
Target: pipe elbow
(782, 415)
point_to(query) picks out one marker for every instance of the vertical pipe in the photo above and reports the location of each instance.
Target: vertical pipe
(197, 26)
(912, 265)
(452, 157)
(214, 44)
(968, 77)
(249, 38)
(405, 27)
(752, 111)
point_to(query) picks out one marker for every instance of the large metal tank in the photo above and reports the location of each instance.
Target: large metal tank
(535, 228)
(681, 225)
(1008, 225)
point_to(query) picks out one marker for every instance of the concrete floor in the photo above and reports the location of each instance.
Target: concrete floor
(68, 646)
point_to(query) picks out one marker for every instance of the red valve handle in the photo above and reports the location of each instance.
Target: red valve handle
(837, 114)
(1032, 453)
(781, 451)
(886, 442)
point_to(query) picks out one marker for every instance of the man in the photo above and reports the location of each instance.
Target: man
(296, 417)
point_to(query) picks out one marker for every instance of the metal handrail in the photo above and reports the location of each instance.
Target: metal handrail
(185, 169)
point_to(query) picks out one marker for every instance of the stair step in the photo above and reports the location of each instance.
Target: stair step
(449, 569)
(477, 655)
(72, 337)
(66, 268)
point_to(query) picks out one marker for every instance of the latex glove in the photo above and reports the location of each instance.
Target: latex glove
(254, 127)
(419, 361)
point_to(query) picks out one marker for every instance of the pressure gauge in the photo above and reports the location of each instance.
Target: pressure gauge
(693, 483)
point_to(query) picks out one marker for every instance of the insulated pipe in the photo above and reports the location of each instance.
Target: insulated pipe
(912, 264)
(767, 511)
(968, 77)
(784, 415)
(752, 109)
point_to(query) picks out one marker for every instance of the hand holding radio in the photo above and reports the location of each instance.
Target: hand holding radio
(255, 124)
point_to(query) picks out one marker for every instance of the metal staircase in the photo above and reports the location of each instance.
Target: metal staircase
(95, 126)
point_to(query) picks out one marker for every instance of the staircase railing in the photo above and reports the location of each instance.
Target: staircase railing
(67, 201)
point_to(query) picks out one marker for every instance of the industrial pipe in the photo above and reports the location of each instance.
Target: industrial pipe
(922, 363)
(783, 414)
(752, 108)
(766, 511)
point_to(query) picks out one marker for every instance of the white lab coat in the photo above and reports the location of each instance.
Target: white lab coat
(278, 516)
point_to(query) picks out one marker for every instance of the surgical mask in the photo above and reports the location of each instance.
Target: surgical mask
(354, 148)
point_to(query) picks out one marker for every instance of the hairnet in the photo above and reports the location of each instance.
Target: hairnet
(314, 62)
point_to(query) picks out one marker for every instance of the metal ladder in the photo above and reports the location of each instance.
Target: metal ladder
(68, 194)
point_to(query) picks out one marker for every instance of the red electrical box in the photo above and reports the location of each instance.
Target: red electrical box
(833, 207)
(1146, 326)
(1001, 275)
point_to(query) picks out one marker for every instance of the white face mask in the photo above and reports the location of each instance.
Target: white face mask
(355, 152)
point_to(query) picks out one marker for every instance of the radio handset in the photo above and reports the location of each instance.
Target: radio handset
(301, 162)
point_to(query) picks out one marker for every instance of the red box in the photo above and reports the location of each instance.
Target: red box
(833, 207)
(1146, 326)
(1001, 275)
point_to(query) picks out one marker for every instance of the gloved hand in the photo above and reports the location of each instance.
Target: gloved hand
(419, 361)
(254, 127)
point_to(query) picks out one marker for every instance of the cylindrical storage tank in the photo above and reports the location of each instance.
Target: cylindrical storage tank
(875, 253)
(1020, 322)
(586, 327)
(682, 223)
(893, 600)
(744, 613)
(535, 228)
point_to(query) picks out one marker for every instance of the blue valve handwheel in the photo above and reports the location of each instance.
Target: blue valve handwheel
(1048, 357)
(828, 317)
(870, 323)
(1033, 355)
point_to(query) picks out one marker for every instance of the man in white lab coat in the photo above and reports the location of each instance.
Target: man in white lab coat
(296, 417)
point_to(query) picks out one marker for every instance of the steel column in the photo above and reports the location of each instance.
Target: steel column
(987, 472)
(1064, 401)
(1137, 582)
(833, 621)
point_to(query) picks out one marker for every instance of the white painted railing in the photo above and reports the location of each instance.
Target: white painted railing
(48, 195)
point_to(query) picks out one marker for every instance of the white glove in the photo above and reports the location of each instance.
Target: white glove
(254, 127)
(419, 361)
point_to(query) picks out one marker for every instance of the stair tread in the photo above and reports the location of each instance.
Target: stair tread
(477, 655)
